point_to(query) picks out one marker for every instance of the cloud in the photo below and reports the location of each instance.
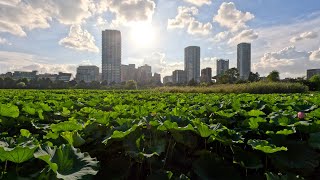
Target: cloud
(101, 23)
(185, 19)
(230, 17)
(16, 61)
(79, 39)
(303, 36)
(4, 41)
(14, 19)
(247, 35)
(315, 55)
(9, 2)
(198, 28)
(131, 11)
(199, 2)
(288, 61)
(16, 16)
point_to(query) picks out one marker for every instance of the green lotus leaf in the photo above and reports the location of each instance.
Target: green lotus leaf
(29, 110)
(66, 126)
(256, 113)
(73, 138)
(9, 110)
(17, 154)
(120, 134)
(68, 162)
(25, 133)
(255, 121)
(265, 146)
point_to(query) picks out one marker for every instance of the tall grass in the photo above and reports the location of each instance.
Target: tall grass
(254, 88)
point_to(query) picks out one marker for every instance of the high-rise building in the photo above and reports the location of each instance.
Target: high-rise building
(111, 56)
(65, 77)
(312, 72)
(144, 74)
(192, 63)
(206, 75)
(167, 79)
(124, 72)
(222, 66)
(244, 60)
(156, 78)
(179, 77)
(24, 75)
(128, 72)
(87, 73)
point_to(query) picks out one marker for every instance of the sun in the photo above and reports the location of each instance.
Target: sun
(143, 34)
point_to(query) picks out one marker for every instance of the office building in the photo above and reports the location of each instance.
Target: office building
(24, 75)
(87, 74)
(128, 72)
(144, 74)
(206, 75)
(312, 72)
(65, 77)
(111, 56)
(179, 77)
(167, 79)
(222, 66)
(192, 63)
(244, 60)
(156, 78)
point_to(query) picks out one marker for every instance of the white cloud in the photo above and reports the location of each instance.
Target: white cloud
(303, 36)
(14, 19)
(315, 55)
(16, 16)
(4, 41)
(230, 17)
(16, 61)
(288, 61)
(9, 2)
(79, 39)
(199, 2)
(247, 35)
(101, 23)
(185, 19)
(131, 11)
(198, 28)
(221, 36)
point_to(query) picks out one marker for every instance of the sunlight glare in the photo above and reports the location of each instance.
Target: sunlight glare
(143, 34)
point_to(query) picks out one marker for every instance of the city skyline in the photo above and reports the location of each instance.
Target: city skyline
(66, 36)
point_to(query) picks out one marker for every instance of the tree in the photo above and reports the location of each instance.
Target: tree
(131, 84)
(274, 76)
(315, 80)
(230, 76)
(254, 77)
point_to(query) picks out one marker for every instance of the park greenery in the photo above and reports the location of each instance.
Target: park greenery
(81, 134)
(229, 81)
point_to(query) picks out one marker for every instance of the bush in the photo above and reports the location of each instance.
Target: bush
(254, 88)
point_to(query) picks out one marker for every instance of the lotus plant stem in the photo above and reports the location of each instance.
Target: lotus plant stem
(4, 170)
(165, 159)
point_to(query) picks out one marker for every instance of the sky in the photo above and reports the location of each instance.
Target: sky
(59, 35)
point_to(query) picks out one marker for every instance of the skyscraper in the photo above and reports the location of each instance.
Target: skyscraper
(111, 56)
(244, 60)
(222, 66)
(87, 73)
(192, 63)
(206, 75)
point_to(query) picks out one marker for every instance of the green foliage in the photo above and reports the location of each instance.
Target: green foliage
(254, 88)
(274, 76)
(158, 135)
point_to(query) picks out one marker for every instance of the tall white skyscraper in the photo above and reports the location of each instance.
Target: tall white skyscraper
(111, 56)
(192, 63)
(244, 60)
(222, 66)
